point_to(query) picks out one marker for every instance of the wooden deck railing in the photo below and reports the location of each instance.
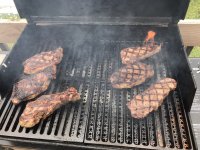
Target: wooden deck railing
(190, 32)
(11, 30)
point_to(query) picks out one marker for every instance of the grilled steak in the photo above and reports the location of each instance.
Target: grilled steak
(32, 85)
(142, 104)
(43, 60)
(131, 75)
(45, 105)
(133, 54)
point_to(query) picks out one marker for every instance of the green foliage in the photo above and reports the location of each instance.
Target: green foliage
(195, 52)
(12, 17)
(193, 10)
(194, 13)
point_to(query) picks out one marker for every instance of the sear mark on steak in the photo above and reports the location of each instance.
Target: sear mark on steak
(131, 75)
(142, 104)
(133, 54)
(43, 60)
(33, 85)
(45, 105)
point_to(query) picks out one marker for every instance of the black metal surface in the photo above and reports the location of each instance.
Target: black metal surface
(91, 54)
(110, 123)
(174, 9)
(195, 110)
(195, 66)
(67, 124)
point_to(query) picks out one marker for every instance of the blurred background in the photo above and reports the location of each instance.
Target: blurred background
(9, 12)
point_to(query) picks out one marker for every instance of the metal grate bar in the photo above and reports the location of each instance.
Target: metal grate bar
(101, 117)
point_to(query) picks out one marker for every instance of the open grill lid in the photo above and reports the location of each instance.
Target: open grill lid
(169, 10)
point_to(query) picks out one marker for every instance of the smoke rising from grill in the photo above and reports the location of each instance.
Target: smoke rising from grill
(91, 54)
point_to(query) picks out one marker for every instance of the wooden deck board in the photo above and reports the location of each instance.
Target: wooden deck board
(11, 30)
(190, 32)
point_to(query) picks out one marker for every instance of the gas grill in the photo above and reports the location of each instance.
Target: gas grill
(92, 34)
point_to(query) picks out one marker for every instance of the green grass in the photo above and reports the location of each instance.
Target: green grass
(194, 13)
(10, 45)
(195, 52)
(193, 10)
(12, 17)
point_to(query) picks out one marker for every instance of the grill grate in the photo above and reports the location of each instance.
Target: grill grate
(101, 117)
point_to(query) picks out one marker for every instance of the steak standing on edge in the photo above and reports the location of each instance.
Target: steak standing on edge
(32, 85)
(142, 104)
(131, 75)
(134, 54)
(43, 60)
(45, 105)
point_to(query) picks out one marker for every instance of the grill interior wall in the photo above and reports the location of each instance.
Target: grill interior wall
(101, 117)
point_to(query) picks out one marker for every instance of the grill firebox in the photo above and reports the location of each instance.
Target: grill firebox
(101, 117)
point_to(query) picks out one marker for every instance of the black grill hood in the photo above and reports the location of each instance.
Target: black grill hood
(174, 10)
